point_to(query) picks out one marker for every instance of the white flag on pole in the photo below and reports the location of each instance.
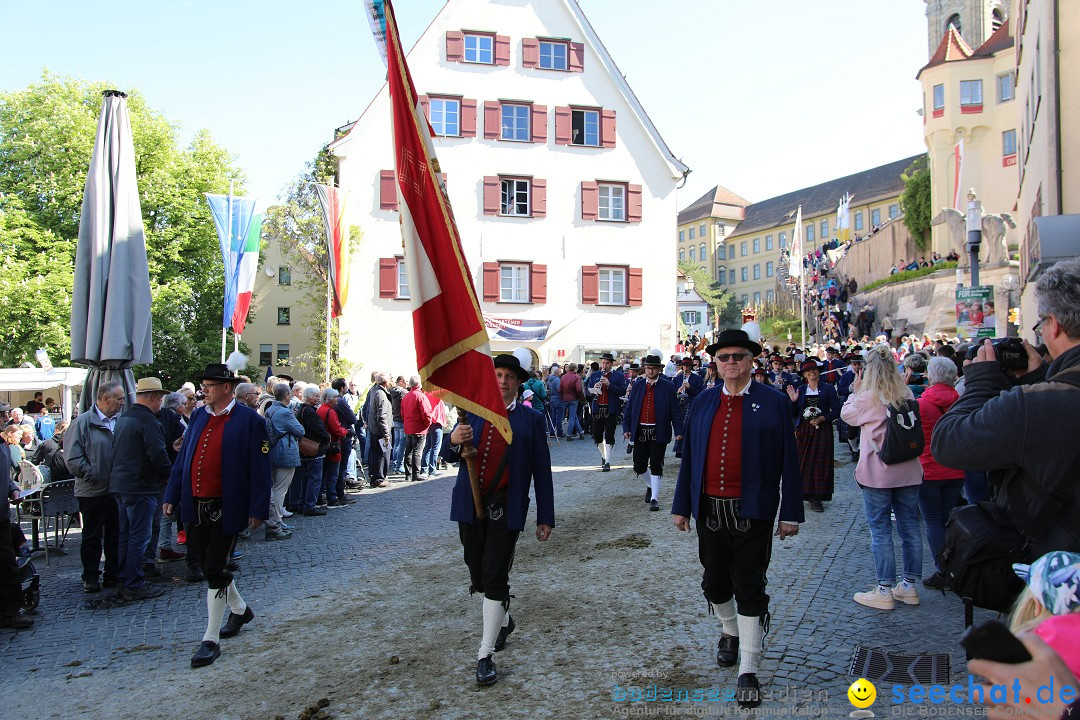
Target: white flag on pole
(795, 268)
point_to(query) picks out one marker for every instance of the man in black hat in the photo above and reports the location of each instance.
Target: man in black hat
(688, 385)
(506, 472)
(830, 372)
(606, 386)
(847, 433)
(650, 421)
(778, 377)
(221, 482)
(739, 467)
(633, 372)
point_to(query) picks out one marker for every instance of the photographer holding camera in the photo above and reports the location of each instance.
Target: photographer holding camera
(1024, 434)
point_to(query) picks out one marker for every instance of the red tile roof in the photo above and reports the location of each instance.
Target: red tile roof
(1000, 40)
(952, 48)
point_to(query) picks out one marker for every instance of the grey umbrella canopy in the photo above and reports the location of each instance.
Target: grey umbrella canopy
(110, 309)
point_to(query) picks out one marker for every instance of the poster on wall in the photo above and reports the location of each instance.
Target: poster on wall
(517, 329)
(975, 313)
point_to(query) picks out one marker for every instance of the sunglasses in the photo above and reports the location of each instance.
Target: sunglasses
(737, 357)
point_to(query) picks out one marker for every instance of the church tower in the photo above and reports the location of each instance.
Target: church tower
(976, 20)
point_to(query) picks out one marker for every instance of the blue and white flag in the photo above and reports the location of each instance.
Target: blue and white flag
(232, 218)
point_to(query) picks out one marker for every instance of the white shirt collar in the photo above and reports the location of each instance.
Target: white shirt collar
(228, 409)
(511, 406)
(744, 391)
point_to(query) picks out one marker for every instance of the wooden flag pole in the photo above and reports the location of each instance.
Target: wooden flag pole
(468, 454)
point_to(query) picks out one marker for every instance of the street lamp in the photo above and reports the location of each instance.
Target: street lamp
(974, 231)
(1010, 283)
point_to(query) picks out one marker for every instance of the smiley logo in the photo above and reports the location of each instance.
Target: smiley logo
(862, 693)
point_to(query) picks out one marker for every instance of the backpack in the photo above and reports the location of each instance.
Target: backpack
(981, 545)
(903, 434)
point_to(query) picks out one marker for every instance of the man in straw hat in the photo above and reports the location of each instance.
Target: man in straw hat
(739, 467)
(606, 386)
(140, 469)
(221, 482)
(505, 475)
(650, 421)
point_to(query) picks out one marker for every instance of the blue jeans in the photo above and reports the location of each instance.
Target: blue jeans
(976, 486)
(310, 482)
(397, 449)
(573, 423)
(937, 498)
(150, 553)
(904, 502)
(329, 479)
(136, 518)
(558, 411)
(430, 460)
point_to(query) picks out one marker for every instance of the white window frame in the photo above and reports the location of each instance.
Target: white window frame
(744, 274)
(1006, 87)
(441, 110)
(858, 220)
(938, 94)
(721, 250)
(824, 230)
(702, 252)
(768, 268)
(757, 297)
(809, 232)
(768, 243)
(693, 233)
(514, 283)
(682, 235)
(742, 249)
(682, 255)
(894, 211)
(402, 280)
(1005, 145)
(731, 276)
(515, 122)
(611, 286)
(512, 206)
(611, 202)
(702, 232)
(482, 48)
(757, 271)
(783, 240)
(970, 89)
(875, 218)
(693, 253)
(691, 317)
(554, 53)
(757, 245)
(589, 120)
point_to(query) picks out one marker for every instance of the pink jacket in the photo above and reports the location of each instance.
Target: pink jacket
(933, 403)
(863, 410)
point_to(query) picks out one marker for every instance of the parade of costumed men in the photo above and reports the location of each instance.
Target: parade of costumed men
(815, 406)
(505, 474)
(221, 483)
(650, 421)
(687, 387)
(606, 386)
(633, 372)
(739, 467)
(845, 432)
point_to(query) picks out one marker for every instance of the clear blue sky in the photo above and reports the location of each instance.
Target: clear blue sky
(761, 97)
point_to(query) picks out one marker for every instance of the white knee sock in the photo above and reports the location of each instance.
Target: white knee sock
(236, 603)
(215, 611)
(726, 612)
(493, 622)
(751, 635)
(604, 451)
(654, 483)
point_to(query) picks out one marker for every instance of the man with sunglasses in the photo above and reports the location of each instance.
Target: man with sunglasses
(739, 467)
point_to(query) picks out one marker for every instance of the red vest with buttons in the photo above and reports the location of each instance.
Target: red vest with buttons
(490, 451)
(723, 461)
(648, 405)
(206, 460)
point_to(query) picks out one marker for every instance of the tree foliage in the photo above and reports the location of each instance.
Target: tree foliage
(47, 134)
(915, 200)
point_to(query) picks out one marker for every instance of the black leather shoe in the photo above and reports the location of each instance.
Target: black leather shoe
(748, 694)
(654, 506)
(91, 586)
(315, 512)
(500, 642)
(727, 651)
(648, 494)
(151, 570)
(194, 574)
(816, 506)
(210, 651)
(606, 467)
(233, 566)
(485, 671)
(235, 622)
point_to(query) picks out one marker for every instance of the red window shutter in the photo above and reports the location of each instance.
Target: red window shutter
(539, 198)
(491, 282)
(387, 190)
(607, 128)
(633, 203)
(388, 277)
(577, 57)
(502, 49)
(563, 125)
(530, 52)
(455, 46)
(590, 200)
(539, 123)
(633, 286)
(492, 120)
(491, 194)
(425, 104)
(537, 283)
(468, 118)
(590, 284)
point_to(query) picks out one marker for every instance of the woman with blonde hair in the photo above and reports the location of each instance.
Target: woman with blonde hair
(1050, 604)
(886, 489)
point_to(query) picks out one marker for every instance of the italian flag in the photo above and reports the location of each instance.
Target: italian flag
(245, 280)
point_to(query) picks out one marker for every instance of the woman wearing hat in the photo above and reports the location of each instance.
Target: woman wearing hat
(815, 406)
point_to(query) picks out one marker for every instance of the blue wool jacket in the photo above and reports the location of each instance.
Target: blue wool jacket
(530, 462)
(668, 418)
(828, 402)
(770, 462)
(615, 391)
(696, 385)
(245, 469)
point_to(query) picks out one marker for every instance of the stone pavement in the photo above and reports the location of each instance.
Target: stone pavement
(815, 624)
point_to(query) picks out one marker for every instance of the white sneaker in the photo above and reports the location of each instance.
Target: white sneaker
(878, 597)
(908, 595)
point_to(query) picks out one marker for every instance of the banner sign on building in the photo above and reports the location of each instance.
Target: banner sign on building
(517, 329)
(975, 313)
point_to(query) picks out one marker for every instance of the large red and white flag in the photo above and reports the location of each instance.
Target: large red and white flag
(451, 340)
(337, 246)
(958, 174)
(795, 267)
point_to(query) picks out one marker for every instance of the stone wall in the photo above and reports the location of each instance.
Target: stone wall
(872, 258)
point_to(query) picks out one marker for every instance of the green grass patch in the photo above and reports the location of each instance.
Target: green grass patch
(905, 275)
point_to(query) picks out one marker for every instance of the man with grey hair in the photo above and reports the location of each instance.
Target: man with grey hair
(88, 453)
(173, 425)
(416, 419)
(1024, 434)
(247, 394)
(379, 418)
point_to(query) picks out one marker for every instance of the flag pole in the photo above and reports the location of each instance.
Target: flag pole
(329, 290)
(224, 329)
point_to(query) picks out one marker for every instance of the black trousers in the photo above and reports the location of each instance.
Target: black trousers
(603, 426)
(414, 450)
(208, 542)
(379, 462)
(10, 587)
(648, 454)
(735, 557)
(489, 554)
(100, 531)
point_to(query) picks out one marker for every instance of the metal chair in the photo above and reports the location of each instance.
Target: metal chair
(55, 505)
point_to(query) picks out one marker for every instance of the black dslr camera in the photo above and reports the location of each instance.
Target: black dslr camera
(1010, 353)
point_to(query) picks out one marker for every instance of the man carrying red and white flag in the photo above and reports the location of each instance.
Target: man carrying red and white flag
(502, 442)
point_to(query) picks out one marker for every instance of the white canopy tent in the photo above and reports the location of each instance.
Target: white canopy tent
(34, 379)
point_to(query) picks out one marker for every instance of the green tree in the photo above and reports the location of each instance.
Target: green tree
(915, 200)
(720, 302)
(47, 134)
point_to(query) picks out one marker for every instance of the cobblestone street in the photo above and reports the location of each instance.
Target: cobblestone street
(368, 606)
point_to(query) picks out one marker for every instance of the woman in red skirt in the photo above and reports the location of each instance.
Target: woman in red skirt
(815, 405)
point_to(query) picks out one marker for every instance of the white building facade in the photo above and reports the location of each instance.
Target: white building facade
(562, 188)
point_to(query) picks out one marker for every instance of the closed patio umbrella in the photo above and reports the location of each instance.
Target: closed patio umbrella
(110, 308)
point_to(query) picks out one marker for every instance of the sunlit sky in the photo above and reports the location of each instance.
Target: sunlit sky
(761, 97)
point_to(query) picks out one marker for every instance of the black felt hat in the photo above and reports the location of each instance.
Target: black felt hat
(734, 338)
(510, 362)
(218, 371)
